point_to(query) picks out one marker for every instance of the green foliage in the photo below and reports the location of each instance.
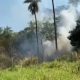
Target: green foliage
(48, 31)
(75, 37)
(6, 39)
(33, 6)
(60, 71)
(10, 41)
(52, 65)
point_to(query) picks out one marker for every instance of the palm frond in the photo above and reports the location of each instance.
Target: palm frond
(28, 1)
(33, 7)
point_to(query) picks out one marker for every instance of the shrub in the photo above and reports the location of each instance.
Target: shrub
(29, 61)
(5, 62)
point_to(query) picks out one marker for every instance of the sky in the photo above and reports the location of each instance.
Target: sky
(14, 13)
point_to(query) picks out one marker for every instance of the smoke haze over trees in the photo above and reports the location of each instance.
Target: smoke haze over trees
(24, 44)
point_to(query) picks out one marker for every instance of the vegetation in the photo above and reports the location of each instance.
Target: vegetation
(48, 31)
(21, 53)
(47, 71)
(33, 8)
(75, 37)
(10, 42)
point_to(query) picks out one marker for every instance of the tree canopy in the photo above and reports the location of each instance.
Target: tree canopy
(75, 37)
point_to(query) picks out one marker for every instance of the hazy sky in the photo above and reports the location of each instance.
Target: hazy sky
(14, 13)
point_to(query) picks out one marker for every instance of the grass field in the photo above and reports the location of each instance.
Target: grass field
(47, 71)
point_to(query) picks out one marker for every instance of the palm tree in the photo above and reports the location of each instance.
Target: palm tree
(55, 26)
(33, 8)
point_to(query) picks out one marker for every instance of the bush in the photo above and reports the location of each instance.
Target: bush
(5, 62)
(68, 57)
(29, 61)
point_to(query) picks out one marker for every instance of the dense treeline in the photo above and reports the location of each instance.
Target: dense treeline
(19, 44)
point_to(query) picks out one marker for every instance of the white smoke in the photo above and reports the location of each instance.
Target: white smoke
(67, 23)
(74, 2)
(48, 47)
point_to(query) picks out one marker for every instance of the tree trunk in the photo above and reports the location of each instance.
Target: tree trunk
(55, 26)
(37, 35)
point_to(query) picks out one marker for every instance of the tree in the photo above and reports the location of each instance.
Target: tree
(6, 39)
(75, 37)
(33, 8)
(47, 31)
(55, 26)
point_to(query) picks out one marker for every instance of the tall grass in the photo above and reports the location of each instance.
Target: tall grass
(57, 70)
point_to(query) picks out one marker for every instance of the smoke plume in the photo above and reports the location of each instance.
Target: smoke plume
(74, 2)
(68, 18)
(67, 23)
